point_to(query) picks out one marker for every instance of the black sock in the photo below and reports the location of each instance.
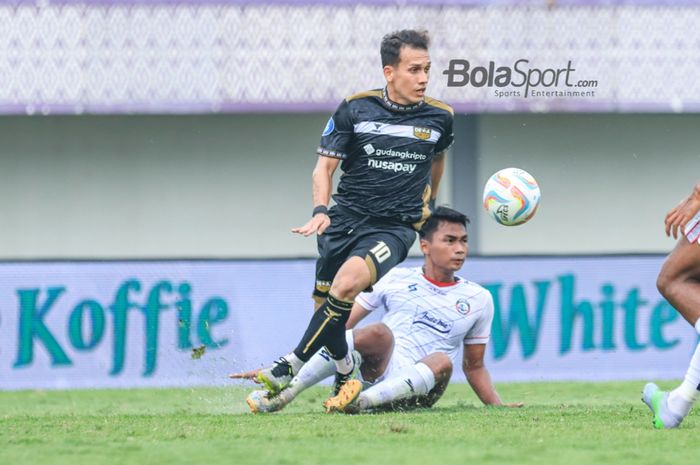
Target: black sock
(326, 328)
(336, 345)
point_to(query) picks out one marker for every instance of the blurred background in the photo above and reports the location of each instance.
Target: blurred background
(182, 133)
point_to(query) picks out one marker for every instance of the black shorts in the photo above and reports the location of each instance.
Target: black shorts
(382, 244)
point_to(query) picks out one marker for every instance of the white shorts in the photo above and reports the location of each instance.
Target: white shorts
(397, 362)
(692, 229)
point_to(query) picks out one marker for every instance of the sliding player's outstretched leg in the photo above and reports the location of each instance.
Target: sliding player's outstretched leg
(327, 322)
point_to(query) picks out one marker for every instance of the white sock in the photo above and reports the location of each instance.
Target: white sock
(412, 381)
(681, 399)
(318, 368)
(345, 365)
(294, 361)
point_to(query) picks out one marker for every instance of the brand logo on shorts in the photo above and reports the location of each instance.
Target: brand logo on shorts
(323, 286)
(462, 306)
(369, 149)
(422, 133)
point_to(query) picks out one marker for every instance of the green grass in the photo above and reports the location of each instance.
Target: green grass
(562, 423)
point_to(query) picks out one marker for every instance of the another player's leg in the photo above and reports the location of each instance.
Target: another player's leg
(414, 382)
(679, 283)
(331, 246)
(318, 368)
(376, 343)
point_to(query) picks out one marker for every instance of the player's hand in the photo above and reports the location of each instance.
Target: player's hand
(316, 225)
(251, 375)
(514, 405)
(679, 216)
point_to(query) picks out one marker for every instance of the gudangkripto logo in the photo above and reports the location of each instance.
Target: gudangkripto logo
(394, 166)
(87, 321)
(399, 154)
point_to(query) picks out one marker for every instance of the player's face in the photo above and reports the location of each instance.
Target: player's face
(447, 249)
(406, 82)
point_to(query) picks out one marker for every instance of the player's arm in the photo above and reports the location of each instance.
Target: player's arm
(357, 313)
(478, 376)
(684, 212)
(322, 186)
(438, 168)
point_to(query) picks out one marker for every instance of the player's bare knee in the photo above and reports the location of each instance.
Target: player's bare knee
(444, 366)
(440, 364)
(352, 278)
(665, 278)
(381, 334)
(668, 279)
(374, 339)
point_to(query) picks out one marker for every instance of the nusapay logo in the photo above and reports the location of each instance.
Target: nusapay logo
(521, 74)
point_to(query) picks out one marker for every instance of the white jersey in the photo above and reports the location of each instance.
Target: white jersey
(692, 229)
(426, 318)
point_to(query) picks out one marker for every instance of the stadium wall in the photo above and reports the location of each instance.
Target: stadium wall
(231, 186)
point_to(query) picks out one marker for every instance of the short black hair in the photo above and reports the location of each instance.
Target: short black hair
(392, 43)
(441, 213)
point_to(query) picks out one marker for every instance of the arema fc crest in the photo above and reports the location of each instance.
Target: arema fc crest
(462, 306)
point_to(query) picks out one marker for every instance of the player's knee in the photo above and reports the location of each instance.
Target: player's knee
(382, 336)
(667, 280)
(374, 339)
(443, 368)
(348, 284)
(352, 278)
(440, 364)
(345, 289)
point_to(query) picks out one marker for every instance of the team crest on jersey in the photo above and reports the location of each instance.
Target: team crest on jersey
(330, 126)
(422, 133)
(462, 306)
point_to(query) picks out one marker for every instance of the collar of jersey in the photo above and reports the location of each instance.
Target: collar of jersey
(391, 105)
(440, 283)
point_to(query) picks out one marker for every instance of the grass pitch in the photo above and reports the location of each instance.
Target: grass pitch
(562, 423)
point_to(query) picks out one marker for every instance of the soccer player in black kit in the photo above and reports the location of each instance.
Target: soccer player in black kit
(390, 144)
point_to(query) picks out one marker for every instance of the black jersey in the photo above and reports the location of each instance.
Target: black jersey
(387, 151)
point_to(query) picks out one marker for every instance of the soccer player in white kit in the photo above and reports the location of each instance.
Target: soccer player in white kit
(679, 283)
(431, 315)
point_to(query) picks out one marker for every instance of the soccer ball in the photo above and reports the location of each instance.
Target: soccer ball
(511, 196)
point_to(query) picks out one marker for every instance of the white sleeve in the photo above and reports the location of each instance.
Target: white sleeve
(373, 300)
(480, 332)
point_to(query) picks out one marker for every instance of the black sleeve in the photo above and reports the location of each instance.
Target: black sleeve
(447, 137)
(338, 133)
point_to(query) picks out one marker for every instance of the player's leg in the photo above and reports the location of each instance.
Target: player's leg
(419, 384)
(375, 342)
(318, 368)
(370, 254)
(377, 252)
(679, 283)
(333, 247)
(425, 380)
(370, 346)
